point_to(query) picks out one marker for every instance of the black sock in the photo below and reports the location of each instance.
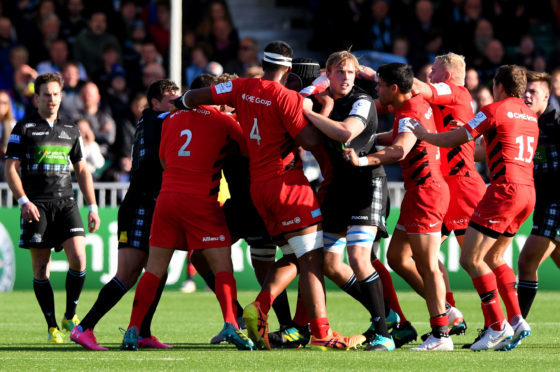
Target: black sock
(74, 284)
(353, 289)
(108, 297)
(210, 280)
(45, 297)
(526, 292)
(372, 293)
(147, 322)
(239, 309)
(439, 331)
(281, 307)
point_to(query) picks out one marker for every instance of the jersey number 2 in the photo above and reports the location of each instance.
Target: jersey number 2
(182, 152)
(255, 133)
(521, 140)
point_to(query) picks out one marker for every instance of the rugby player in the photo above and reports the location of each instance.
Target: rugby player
(44, 147)
(510, 133)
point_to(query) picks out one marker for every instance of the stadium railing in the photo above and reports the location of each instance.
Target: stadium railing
(109, 194)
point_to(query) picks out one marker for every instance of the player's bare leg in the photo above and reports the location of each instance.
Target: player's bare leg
(399, 257)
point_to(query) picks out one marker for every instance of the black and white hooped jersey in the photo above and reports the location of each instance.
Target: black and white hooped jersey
(45, 153)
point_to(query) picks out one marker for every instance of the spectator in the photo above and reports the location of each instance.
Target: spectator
(382, 30)
(111, 64)
(224, 41)
(199, 60)
(493, 58)
(554, 98)
(91, 150)
(24, 77)
(527, 52)
(118, 98)
(125, 20)
(152, 72)
(7, 122)
(424, 73)
(254, 72)
(422, 25)
(34, 31)
(88, 47)
(74, 23)
(160, 30)
(483, 34)
(216, 10)
(102, 124)
(471, 80)
(483, 96)
(8, 40)
(71, 104)
(401, 47)
(247, 56)
(58, 57)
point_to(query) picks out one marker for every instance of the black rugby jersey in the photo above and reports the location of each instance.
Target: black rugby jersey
(547, 157)
(360, 105)
(45, 154)
(146, 171)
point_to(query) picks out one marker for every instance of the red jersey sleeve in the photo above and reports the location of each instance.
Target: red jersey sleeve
(224, 93)
(290, 106)
(482, 122)
(442, 94)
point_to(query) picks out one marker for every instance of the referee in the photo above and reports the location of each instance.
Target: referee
(42, 146)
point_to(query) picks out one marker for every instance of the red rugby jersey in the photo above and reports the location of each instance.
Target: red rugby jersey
(422, 162)
(453, 102)
(193, 146)
(511, 134)
(271, 116)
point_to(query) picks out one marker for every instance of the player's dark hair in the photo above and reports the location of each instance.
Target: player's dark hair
(397, 73)
(513, 78)
(158, 88)
(225, 78)
(48, 78)
(541, 77)
(308, 69)
(203, 80)
(278, 47)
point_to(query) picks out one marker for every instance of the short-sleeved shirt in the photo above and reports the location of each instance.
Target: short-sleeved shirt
(422, 163)
(271, 116)
(511, 135)
(193, 147)
(356, 104)
(145, 173)
(45, 154)
(453, 102)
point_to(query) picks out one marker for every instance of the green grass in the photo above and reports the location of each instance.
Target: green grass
(189, 321)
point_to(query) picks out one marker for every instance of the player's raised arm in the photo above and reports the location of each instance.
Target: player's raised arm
(195, 97)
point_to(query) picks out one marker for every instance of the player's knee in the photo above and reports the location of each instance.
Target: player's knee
(303, 244)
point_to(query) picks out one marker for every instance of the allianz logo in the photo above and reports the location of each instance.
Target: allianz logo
(213, 238)
(291, 222)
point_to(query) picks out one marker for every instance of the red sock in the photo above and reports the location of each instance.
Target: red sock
(319, 327)
(486, 285)
(226, 293)
(265, 300)
(389, 293)
(505, 277)
(301, 318)
(143, 297)
(439, 320)
(190, 269)
(449, 298)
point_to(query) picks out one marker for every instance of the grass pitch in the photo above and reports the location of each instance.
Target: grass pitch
(189, 321)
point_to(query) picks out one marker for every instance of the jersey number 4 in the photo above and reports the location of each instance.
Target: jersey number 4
(530, 150)
(182, 151)
(255, 132)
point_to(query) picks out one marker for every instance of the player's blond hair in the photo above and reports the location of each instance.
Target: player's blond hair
(339, 57)
(455, 65)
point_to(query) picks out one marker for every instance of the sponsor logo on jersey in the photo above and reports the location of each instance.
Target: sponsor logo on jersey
(213, 238)
(64, 135)
(291, 222)
(36, 238)
(29, 125)
(254, 99)
(52, 155)
(77, 229)
(442, 89)
(224, 87)
(316, 213)
(15, 138)
(39, 133)
(462, 220)
(123, 238)
(202, 111)
(406, 125)
(477, 120)
(361, 108)
(359, 218)
(428, 113)
(522, 116)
